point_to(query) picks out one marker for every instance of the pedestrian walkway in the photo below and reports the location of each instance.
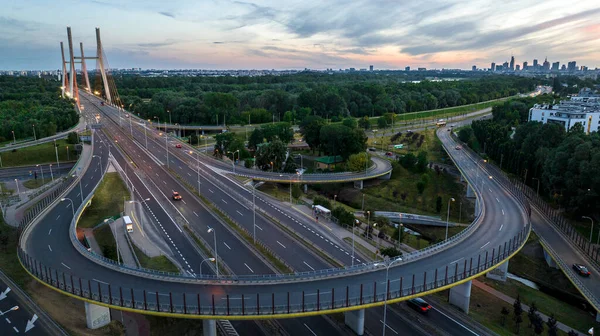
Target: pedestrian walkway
(117, 228)
(144, 236)
(511, 300)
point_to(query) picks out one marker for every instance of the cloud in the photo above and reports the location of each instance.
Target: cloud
(165, 43)
(167, 14)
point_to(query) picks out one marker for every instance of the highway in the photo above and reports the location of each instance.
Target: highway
(77, 128)
(27, 172)
(504, 219)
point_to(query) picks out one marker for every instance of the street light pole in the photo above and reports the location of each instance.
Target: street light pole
(145, 135)
(51, 175)
(448, 216)
(592, 229)
(140, 203)
(216, 253)
(18, 191)
(353, 223)
(387, 277)
(72, 206)
(254, 211)
(167, 147)
(34, 137)
(538, 186)
(11, 309)
(42, 171)
(202, 262)
(56, 152)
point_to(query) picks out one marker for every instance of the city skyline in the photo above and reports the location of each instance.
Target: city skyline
(296, 35)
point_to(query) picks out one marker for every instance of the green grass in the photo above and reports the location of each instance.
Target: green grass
(107, 202)
(365, 251)
(414, 242)
(160, 263)
(38, 154)
(34, 184)
(9, 262)
(106, 241)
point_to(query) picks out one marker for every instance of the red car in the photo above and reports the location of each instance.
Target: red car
(178, 146)
(176, 196)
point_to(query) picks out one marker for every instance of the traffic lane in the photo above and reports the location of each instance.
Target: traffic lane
(567, 252)
(447, 323)
(32, 171)
(16, 321)
(308, 326)
(247, 328)
(231, 250)
(396, 324)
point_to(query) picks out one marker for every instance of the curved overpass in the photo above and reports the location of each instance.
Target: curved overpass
(500, 232)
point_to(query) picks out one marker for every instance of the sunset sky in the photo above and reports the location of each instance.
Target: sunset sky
(294, 34)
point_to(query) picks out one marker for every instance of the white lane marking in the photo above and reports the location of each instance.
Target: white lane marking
(249, 268)
(490, 189)
(259, 227)
(165, 182)
(49, 248)
(65, 265)
(49, 232)
(16, 330)
(281, 244)
(211, 190)
(239, 212)
(106, 283)
(227, 245)
(308, 265)
(7, 320)
(307, 327)
(224, 201)
(484, 245)
(455, 321)
(501, 226)
(57, 217)
(388, 326)
(195, 213)
(156, 174)
(78, 194)
(497, 200)
(179, 166)
(184, 202)
(502, 212)
(189, 174)
(85, 186)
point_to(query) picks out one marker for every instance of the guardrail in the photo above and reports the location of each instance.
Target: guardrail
(272, 304)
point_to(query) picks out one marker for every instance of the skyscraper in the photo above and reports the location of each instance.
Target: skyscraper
(525, 66)
(535, 64)
(546, 65)
(572, 66)
(555, 66)
(517, 67)
(505, 66)
(493, 67)
(407, 68)
(474, 68)
(370, 68)
(512, 63)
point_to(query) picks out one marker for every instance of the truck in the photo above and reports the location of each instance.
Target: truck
(441, 123)
(128, 224)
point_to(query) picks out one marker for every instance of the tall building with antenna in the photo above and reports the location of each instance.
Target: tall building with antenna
(512, 63)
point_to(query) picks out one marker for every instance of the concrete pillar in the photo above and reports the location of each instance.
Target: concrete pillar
(96, 316)
(460, 296)
(305, 188)
(386, 176)
(209, 327)
(355, 319)
(499, 273)
(549, 260)
(358, 184)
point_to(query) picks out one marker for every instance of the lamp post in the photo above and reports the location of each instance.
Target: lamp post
(378, 240)
(51, 175)
(167, 146)
(202, 262)
(198, 169)
(56, 152)
(592, 229)
(11, 309)
(14, 138)
(140, 203)
(387, 264)
(18, 191)
(478, 169)
(145, 135)
(233, 158)
(42, 171)
(72, 206)
(537, 193)
(448, 216)
(353, 223)
(34, 137)
(334, 197)
(216, 253)
(254, 211)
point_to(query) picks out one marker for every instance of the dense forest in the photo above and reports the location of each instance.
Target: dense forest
(291, 98)
(29, 101)
(566, 164)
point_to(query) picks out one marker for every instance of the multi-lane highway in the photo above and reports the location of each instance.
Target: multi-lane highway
(502, 228)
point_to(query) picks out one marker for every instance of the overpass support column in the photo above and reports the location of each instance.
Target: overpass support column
(96, 316)
(355, 319)
(209, 327)
(460, 296)
(358, 185)
(386, 176)
(470, 191)
(499, 273)
(598, 316)
(550, 261)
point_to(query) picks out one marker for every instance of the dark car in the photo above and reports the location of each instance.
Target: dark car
(176, 196)
(419, 305)
(389, 154)
(457, 147)
(372, 149)
(581, 270)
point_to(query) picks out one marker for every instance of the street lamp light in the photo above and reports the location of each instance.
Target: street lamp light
(202, 262)
(216, 253)
(448, 216)
(592, 229)
(538, 186)
(72, 206)
(387, 264)
(11, 309)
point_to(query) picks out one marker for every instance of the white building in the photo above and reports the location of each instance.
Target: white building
(583, 108)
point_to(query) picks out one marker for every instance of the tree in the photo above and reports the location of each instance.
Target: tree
(532, 314)
(390, 252)
(408, 161)
(382, 123)
(296, 190)
(518, 321)
(438, 204)
(552, 326)
(222, 146)
(538, 325)
(290, 165)
(358, 162)
(504, 313)
(340, 140)
(322, 201)
(256, 137)
(343, 216)
(350, 122)
(364, 123)
(281, 130)
(465, 134)
(310, 128)
(271, 155)
(421, 187)
(72, 138)
(517, 311)
(421, 165)
(224, 104)
(572, 333)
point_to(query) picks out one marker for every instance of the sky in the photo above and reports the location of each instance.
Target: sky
(298, 34)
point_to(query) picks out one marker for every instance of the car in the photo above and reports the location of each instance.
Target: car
(372, 149)
(389, 154)
(176, 196)
(126, 115)
(419, 305)
(581, 270)
(178, 146)
(457, 147)
(449, 129)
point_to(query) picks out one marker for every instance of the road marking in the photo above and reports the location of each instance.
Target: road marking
(49, 232)
(227, 245)
(164, 181)
(68, 205)
(281, 244)
(501, 226)
(224, 201)
(65, 265)
(497, 200)
(388, 326)
(106, 283)
(249, 268)
(211, 190)
(239, 212)
(195, 213)
(502, 212)
(189, 174)
(307, 327)
(184, 202)
(7, 320)
(179, 166)
(16, 330)
(490, 189)
(486, 244)
(455, 321)
(78, 194)
(57, 217)
(85, 186)
(258, 227)
(49, 248)
(308, 265)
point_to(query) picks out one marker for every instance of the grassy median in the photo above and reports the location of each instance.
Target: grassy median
(160, 263)
(107, 202)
